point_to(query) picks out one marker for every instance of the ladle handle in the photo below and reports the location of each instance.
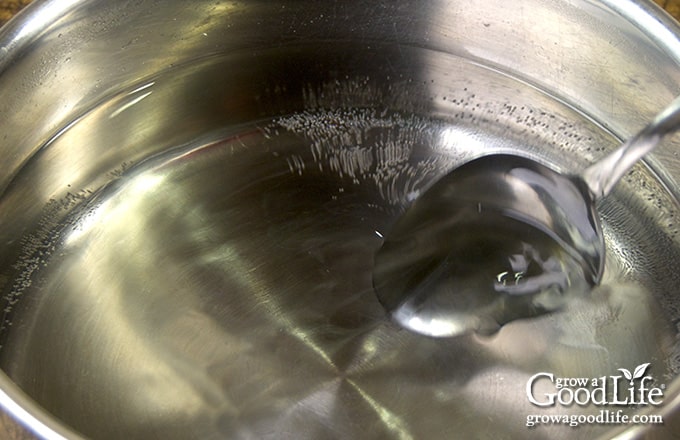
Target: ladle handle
(605, 173)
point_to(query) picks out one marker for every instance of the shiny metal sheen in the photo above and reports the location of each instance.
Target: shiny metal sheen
(419, 280)
(191, 194)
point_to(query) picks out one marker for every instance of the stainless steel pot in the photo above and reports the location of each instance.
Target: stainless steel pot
(192, 192)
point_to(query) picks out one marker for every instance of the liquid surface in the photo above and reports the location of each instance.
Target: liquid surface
(202, 265)
(247, 299)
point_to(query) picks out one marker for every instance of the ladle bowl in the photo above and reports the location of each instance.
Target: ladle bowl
(443, 267)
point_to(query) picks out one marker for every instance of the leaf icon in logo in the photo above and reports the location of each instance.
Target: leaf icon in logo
(639, 371)
(626, 373)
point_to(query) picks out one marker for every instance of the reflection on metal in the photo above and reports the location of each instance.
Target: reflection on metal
(199, 266)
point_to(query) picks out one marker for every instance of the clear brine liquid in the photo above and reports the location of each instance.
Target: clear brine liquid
(212, 275)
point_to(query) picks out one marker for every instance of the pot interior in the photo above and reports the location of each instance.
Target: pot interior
(202, 268)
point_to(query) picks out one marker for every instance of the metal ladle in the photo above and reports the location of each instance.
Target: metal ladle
(502, 238)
